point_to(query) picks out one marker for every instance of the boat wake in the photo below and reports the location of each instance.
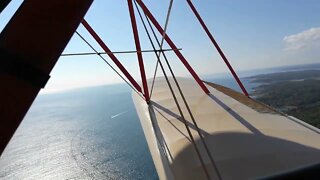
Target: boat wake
(119, 114)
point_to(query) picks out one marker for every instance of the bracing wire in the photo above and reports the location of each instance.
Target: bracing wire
(116, 52)
(161, 45)
(186, 104)
(161, 51)
(108, 64)
(175, 98)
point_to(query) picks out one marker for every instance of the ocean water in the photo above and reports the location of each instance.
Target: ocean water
(90, 133)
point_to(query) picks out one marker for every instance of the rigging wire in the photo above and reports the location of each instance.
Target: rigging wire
(161, 45)
(108, 63)
(186, 104)
(175, 98)
(117, 52)
(166, 24)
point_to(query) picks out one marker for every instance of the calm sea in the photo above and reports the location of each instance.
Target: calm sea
(91, 133)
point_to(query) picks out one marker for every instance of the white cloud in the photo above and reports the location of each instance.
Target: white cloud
(304, 40)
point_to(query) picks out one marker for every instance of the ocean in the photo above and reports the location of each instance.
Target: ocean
(89, 133)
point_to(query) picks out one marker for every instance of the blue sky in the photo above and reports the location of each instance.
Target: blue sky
(253, 34)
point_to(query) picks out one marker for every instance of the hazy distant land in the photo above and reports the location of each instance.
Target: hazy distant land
(296, 93)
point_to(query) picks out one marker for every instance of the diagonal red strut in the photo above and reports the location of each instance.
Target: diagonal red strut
(194, 10)
(108, 51)
(173, 46)
(138, 48)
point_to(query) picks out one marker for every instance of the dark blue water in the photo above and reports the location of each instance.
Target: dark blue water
(90, 133)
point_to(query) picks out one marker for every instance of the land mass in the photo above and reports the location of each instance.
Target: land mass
(296, 93)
